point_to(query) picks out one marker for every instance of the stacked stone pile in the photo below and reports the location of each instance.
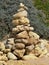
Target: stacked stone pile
(23, 43)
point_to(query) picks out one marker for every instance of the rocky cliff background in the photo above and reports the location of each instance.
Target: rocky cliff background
(9, 7)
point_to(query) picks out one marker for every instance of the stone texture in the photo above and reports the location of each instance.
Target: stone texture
(29, 57)
(22, 35)
(11, 56)
(2, 46)
(19, 53)
(19, 45)
(20, 14)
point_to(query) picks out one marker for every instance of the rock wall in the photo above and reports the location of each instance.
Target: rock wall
(10, 7)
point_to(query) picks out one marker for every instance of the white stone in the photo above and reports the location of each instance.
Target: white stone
(11, 56)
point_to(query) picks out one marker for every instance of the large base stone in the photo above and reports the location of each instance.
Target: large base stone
(41, 61)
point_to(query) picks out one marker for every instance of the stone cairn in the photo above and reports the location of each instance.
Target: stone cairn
(23, 43)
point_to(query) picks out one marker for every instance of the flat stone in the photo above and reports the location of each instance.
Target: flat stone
(20, 14)
(18, 40)
(19, 45)
(29, 28)
(22, 35)
(29, 57)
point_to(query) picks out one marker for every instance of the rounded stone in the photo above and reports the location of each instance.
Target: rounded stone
(11, 56)
(19, 45)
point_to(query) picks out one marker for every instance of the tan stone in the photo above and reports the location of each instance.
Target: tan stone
(18, 40)
(20, 14)
(44, 52)
(38, 51)
(25, 41)
(1, 53)
(2, 46)
(3, 58)
(29, 28)
(24, 20)
(15, 30)
(20, 27)
(3, 63)
(22, 35)
(29, 57)
(19, 45)
(7, 50)
(34, 35)
(10, 41)
(32, 40)
(19, 53)
(15, 22)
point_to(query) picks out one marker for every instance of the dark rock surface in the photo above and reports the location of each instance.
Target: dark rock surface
(9, 7)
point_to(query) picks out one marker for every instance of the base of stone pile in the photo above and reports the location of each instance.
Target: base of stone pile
(40, 61)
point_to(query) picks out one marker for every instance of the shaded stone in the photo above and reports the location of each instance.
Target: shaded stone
(29, 49)
(7, 50)
(25, 41)
(32, 40)
(22, 35)
(19, 53)
(19, 45)
(1, 53)
(10, 41)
